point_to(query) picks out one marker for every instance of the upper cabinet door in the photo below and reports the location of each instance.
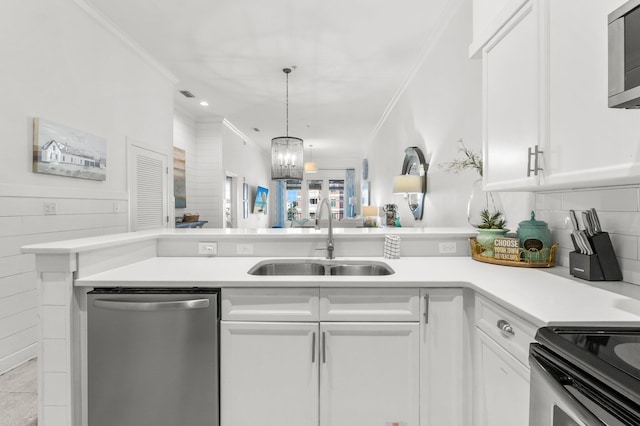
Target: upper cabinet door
(545, 77)
(589, 143)
(513, 95)
(489, 16)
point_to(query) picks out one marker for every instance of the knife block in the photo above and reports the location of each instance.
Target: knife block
(600, 266)
(585, 266)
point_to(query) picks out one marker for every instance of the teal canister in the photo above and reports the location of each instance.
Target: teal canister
(534, 235)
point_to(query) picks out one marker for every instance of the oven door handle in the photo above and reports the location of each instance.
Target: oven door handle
(578, 410)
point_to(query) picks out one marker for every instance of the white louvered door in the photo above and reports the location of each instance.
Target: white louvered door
(147, 188)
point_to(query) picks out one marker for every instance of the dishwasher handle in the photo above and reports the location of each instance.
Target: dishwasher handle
(173, 305)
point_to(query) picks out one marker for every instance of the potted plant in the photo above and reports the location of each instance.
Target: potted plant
(492, 226)
(480, 201)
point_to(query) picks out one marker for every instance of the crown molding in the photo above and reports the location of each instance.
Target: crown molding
(126, 39)
(238, 132)
(431, 41)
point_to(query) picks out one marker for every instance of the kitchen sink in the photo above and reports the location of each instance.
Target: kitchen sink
(311, 267)
(370, 269)
(288, 267)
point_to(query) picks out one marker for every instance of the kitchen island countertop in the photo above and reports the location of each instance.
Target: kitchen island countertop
(536, 295)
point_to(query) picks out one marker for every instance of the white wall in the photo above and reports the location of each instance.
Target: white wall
(441, 104)
(251, 164)
(215, 149)
(184, 137)
(61, 64)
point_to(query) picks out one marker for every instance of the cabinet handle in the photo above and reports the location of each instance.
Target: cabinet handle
(324, 348)
(505, 327)
(313, 348)
(426, 309)
(536, 161)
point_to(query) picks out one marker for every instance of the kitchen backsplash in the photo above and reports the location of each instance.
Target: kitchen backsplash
(619, 212)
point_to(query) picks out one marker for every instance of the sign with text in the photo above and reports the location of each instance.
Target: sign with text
(506, 249)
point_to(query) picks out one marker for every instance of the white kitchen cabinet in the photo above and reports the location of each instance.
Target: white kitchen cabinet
(545, 82)
(442, 350)
(369, 374)
(269, 373)
(342, 371)
(340, 366)
(512, 99)
(503, 392)
(589, 143)
(501, 368)
(488, 18)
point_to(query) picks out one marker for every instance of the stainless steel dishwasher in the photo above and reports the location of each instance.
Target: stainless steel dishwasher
(153, 357)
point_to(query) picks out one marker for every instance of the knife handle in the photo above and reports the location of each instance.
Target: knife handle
(574, 220)
(596, 221)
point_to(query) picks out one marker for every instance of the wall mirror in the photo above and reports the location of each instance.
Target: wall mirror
(412, 182)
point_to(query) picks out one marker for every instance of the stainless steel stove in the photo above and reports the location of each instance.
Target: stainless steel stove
(585, 376)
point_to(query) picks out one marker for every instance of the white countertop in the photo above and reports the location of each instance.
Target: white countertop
(538, 296)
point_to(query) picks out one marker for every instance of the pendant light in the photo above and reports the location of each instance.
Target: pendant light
(287, 151)
(310, 166)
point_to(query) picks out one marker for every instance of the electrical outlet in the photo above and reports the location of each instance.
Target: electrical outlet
(209, 249)
(447, 248)
(50, 208)
(244, 249)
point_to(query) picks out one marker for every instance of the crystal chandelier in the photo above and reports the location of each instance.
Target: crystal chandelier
(287, 151)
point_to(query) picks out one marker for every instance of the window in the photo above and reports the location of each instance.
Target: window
(294, 199)
(303, 196)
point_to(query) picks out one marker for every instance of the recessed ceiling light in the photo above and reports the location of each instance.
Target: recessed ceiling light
(204, 103)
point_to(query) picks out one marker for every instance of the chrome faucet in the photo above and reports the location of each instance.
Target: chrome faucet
(325, 201)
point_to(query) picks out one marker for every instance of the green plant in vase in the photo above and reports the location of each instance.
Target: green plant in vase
(492, 226)
(479, 199)
(492, 220)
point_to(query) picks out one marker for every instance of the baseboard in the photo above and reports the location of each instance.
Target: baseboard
(15, 359)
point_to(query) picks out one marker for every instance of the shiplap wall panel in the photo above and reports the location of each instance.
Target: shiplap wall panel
(15, 303)
(14, 265)
(23, 222)
(15, 284)
(18, 341)
(20, 206)
(18, 322)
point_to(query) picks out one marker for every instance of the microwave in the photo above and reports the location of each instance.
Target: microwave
(624, 56)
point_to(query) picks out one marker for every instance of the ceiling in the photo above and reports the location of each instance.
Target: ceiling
(350, 58)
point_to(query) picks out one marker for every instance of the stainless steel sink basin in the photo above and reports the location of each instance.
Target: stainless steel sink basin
(368, 269)
(309, 267)
(288, 268)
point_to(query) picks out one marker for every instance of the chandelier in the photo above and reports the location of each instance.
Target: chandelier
(287, 151)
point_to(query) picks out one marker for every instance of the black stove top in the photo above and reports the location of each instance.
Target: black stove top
(618, 349)
(610, 354)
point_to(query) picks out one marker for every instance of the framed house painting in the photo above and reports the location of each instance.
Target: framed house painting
(64, 151)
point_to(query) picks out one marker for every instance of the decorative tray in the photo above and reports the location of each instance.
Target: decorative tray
(545, 258)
